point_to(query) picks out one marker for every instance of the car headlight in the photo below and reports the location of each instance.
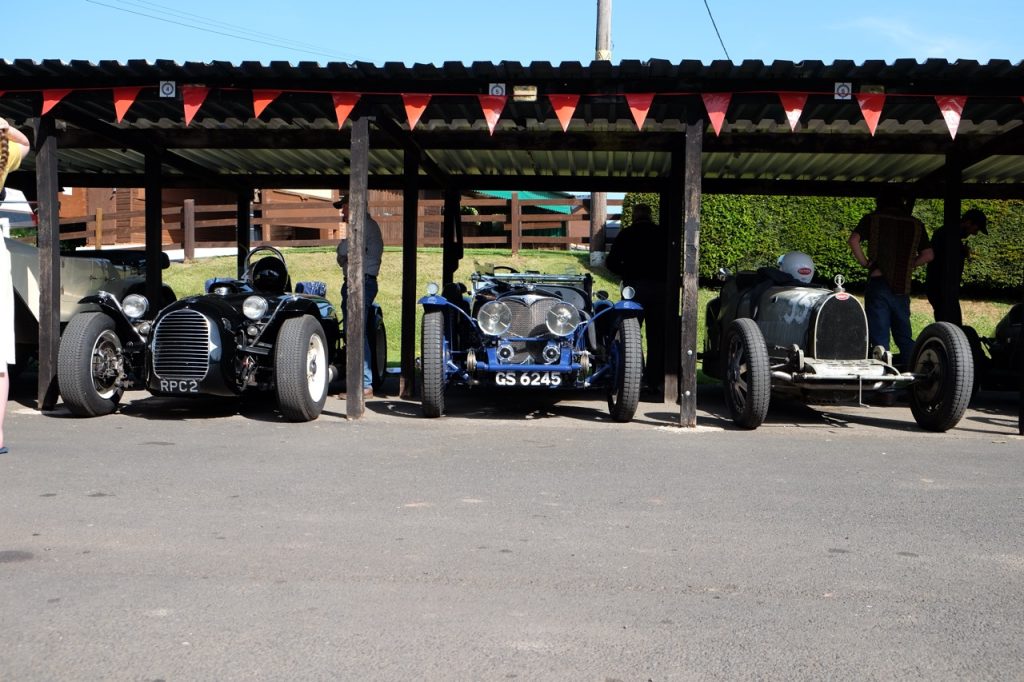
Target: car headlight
(563, 319)
(432, 289)
(134, 306)
(628, 293)
(254, 307)
(494, 318)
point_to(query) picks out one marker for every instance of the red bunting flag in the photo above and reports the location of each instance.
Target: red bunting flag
(717, 104)
(51, 97)
(565, 107)
(492, 105)
(871, 106)
(193, 96)
(261, 99)
(123, 100)
(793, 103)
(639, 105)
(415, 105)
(952, 108)
(344, 103)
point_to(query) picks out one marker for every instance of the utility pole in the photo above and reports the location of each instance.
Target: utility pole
(599, 200)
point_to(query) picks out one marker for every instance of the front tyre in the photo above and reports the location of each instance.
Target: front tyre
(433, 361)
(747, 370)
(626, 352)
(301, 369)
(90, 365)
(944, 371)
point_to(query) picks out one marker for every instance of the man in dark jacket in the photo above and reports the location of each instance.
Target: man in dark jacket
(638, 257)
(947, 308)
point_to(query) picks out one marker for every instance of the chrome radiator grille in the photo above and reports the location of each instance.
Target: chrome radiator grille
(181, 346)
(529, 318)
(529, 315)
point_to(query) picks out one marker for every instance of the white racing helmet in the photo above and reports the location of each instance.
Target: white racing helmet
(797, 265)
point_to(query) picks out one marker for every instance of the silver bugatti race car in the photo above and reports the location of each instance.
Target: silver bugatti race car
(769, 333)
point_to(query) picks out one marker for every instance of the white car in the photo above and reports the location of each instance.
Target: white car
(16, 210)
(117, 272)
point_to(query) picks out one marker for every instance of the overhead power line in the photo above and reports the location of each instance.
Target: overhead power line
(720, 41)
(214, 26)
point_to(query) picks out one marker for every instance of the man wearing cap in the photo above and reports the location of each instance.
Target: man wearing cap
(947, 308)
(374, 252)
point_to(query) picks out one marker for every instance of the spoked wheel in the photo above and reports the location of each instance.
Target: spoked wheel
(90, 365)
(626, 353)
(432, 353)
(944, 371)
(301, 369)
(747, 379)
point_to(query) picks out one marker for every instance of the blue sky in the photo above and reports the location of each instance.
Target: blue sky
(436, 31)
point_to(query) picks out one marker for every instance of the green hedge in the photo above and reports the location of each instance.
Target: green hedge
(746, 232)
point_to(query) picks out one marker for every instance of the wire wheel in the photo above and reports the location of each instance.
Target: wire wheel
(747, 380)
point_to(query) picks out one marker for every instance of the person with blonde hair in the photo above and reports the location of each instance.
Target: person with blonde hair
(13, 148)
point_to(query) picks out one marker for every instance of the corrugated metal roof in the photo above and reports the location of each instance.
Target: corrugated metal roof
(296, 140)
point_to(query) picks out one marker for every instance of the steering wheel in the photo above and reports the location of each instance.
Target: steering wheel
(505, 268)
(259, 249)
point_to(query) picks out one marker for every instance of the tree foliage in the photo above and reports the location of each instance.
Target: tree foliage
(744, 232)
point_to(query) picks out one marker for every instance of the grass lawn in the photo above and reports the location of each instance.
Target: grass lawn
(319, 264)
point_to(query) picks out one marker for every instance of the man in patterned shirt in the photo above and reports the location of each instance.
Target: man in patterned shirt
(897, 244)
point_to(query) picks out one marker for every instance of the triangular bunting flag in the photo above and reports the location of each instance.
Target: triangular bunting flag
(193, 96)
(415, 105)
(344, 103)
(793, 103)
(717, 104)
(261, 99)
(492, 106)
(123, 100)
(952, 108)
(51, 97)
(639, 105)
(565, 107)
(871, 106)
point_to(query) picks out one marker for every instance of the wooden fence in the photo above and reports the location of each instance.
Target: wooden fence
(486, 223)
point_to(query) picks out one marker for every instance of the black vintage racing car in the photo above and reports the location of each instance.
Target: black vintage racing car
(997, 359)
(252, 333)
(770, 333)
(531, 331)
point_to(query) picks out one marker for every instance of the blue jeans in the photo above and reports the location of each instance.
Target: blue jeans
(369, 294)
(887, 312)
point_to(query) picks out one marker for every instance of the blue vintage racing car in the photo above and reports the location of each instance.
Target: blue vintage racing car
(531, 331)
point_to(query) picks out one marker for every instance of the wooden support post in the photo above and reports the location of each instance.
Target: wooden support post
(950, 248)
(671, 203)
(154, 229)
(355, 311)
(516, 222)
(598, 218)
(243, 220)
(410, 222)
(188, 230)
(48, 240)
(98, 236)
(452, 250)
(690, 253)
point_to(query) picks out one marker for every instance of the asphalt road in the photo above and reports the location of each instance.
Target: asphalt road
(211, 541)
